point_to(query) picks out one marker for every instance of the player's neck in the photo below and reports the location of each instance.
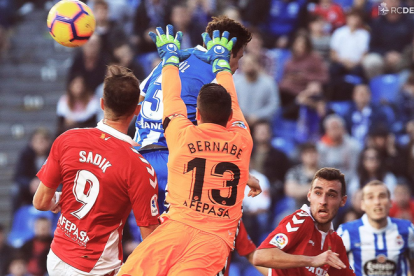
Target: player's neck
(119, 125)
(378, 224)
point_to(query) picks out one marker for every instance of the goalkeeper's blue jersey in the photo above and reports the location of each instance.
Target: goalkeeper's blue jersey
(378, 251)
(194, 73)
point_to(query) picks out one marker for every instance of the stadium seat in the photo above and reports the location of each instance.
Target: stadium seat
(341, 107)
(345, 4)
(284, 128)
(23, 224)
(384, 88)
(353, 79)
(308, 125)
(251, 271)
(280, 57)
(285, 145)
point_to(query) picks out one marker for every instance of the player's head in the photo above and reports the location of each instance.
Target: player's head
(121, 93)
(376, 201)
(326, 195)
(214, 104)
(43, 228)
(223, 23)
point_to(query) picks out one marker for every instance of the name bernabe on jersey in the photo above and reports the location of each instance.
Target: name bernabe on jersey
(95, 159)
(206, 208)
(199, 146)
(71, 230)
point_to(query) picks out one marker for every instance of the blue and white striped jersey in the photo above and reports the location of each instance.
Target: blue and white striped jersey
(194, 73)
(379, 252)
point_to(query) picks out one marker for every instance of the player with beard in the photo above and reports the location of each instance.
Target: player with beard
(377, 244)
(304, 242)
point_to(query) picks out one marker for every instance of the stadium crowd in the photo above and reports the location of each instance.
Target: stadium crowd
(326, 83)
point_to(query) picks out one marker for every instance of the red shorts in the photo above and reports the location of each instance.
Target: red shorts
(175, 248)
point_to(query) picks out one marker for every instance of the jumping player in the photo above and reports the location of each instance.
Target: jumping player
(208, 169)
(102, 176)
(193, 73)
(377, 244)
(304, 242)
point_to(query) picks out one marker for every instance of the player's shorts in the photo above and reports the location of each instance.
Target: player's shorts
(57, 267)
(176, 249)
(158, 158)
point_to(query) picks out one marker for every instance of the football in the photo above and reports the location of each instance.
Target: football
(71, 23)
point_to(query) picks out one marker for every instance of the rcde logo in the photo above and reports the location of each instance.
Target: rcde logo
(172, 47)
(219, 50)
(380, 267)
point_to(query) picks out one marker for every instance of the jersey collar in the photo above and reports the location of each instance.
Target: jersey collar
(115, 133)
(364, 219)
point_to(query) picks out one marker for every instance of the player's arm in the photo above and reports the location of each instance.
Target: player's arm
(264, 271)
(276, 258)
(46, 199)
(146, 230)
(169, 51)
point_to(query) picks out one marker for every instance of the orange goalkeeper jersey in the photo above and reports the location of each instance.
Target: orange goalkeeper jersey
(208, 165)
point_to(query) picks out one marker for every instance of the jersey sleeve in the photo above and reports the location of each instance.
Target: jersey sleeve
(143, 192)
(290, 233)
(340, 249)
(344, 234)
(237, 121)
(244, 244)
(50, 172)
(147, 81)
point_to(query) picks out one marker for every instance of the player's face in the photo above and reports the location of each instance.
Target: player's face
(376, 202)
(234, 61)
(325, 199)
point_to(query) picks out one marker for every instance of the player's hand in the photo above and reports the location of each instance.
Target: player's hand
(55, 207)
(168, 47)
(330, 258)
(218, 50)
(254, 185)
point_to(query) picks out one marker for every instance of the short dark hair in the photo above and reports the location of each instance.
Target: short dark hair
(331, 174)
(376, 183)
(121, 91)
(223, 23)
(307, 146)
(214, 104)
(101, 3)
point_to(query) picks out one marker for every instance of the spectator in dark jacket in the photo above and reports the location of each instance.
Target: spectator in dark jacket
(31, 159)
(6, 252)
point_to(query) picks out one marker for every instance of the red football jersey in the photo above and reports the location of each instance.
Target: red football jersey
(297, 234)
(103, 176)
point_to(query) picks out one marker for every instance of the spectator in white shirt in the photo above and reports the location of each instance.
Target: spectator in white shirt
(348, 46)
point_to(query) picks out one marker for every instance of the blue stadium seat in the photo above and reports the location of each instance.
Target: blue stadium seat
(353, 79)
(284, 128)
(286, 145)
(345, 4)
(280, 57)
(23, 224)
(251, 271)
(341, 108)
(385, 88)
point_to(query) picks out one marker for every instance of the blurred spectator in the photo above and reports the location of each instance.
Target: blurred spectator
(319, 36)
(371, 167)
(7, 18)
(18, 267)
(362, 114)
(407, 58)
(35, 250)
(390, 152)
(149, 14)
(278, 19)
(409, 152)
(405, 100)
(108, 30)
(299, 178)
(267, 160)
(336, 148)
(256, 210)
(78, 108)
(232, 13)
(304, 74)
(30, 161)
(403, 204)
(119, 11)
(390, 34)
(349, 44)
(331, 12)
(355, 211)
(89, 63)
(257, 92)
(265, 57)
(6, 252)
(182, 20)
(202, 10)
(124, 56)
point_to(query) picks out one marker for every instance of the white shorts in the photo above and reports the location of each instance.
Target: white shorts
(57, 267)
